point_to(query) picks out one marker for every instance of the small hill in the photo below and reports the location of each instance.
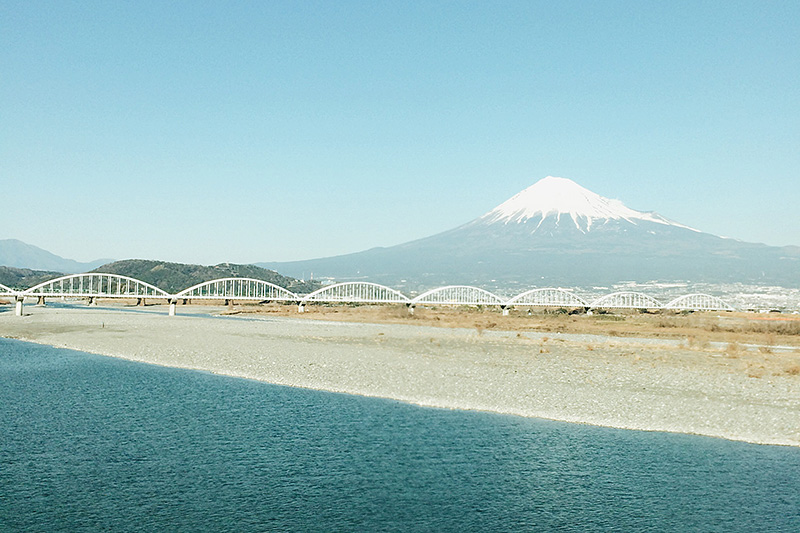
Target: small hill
(174, 277)
(24, 278)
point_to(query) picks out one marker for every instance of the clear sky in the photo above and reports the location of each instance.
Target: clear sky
(268, 131)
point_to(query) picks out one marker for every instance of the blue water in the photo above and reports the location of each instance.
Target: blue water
(91, 443)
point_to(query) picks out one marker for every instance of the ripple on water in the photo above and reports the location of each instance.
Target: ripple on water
(92, 443)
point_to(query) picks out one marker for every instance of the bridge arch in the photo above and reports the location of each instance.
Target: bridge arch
(458, 295)
(95, 284)
(7, 291)
(237, 289)
(626, 300)
(699, 302)
(356, 292)
(549, 297)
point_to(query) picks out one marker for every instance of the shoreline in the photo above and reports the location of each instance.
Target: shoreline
(640, 384)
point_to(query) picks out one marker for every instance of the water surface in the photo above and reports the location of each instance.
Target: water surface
(94, 443)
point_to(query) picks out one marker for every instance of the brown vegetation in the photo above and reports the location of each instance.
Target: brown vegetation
(697, 330)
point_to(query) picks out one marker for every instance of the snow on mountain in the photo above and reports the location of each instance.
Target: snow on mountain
(560, 197)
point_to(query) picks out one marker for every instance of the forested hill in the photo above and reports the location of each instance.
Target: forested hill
(24, 278)
(174, 277)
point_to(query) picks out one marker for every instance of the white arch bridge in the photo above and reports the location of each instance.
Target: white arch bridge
(237, 289)
(93, 286)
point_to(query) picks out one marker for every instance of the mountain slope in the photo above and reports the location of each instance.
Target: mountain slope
(558, 233)
(24, 278)
(17, 254)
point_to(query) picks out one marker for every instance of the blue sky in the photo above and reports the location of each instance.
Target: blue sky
(260, 131)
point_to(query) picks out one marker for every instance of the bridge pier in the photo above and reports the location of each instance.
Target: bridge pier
(18, 310)
(410, 308)
(40, 301)
(172, 304)
(139, 301)
(92, 301)
(505, 309)
(301, 307)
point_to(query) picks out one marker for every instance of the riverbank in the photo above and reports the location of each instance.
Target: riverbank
(649, 384)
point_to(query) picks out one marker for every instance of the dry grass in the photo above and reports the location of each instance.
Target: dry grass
(759, 325)
(733, 350)
(697, 329)
(698, 341)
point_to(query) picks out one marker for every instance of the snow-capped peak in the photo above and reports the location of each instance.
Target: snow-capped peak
(563, 197)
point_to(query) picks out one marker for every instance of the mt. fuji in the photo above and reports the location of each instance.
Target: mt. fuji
(556, 232)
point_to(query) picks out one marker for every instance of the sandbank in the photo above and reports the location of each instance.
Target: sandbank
(641, 384)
